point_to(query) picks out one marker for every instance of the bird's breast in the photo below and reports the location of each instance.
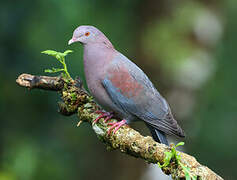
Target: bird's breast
(96, 63)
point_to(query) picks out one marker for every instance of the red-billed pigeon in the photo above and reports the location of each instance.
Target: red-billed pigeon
(120, 86)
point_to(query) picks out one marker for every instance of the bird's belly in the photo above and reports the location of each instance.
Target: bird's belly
(100, 95)
(102, 98)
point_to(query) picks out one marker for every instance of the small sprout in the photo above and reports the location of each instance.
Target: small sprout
(174, 155)
(168, 157)
(61, 58)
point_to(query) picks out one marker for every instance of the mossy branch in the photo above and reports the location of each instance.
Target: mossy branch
(76, 100)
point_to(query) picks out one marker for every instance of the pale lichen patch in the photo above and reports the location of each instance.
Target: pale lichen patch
(98, 130)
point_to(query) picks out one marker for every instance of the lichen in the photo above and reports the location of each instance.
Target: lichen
(98, 130)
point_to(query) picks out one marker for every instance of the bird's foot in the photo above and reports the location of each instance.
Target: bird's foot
(108, 117)
(99, 112)
(103, 114)
(115, 126)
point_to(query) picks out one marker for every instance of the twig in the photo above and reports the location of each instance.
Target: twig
(76, 100)
(40, 82)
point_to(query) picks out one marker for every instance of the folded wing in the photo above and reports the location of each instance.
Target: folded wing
(131, 90)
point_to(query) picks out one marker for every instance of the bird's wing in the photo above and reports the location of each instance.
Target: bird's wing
(131, 90)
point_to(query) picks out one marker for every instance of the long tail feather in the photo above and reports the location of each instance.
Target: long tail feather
(158, 135)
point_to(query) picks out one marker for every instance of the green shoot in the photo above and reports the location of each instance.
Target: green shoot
(173, 154)
(61, 58)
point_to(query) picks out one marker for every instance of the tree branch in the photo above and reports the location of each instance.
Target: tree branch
(127, 140)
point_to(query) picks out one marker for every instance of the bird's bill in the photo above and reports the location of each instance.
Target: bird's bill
(71, 41)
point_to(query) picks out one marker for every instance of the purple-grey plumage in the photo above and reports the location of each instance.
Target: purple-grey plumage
(122, 87)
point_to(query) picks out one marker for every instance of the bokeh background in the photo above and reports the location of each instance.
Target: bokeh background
(188, 49)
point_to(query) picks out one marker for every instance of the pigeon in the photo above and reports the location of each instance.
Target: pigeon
(122, 88)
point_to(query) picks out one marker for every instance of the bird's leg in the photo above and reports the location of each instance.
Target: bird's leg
(115, 126)
(99, 112)
(108, 117)
(103, 114)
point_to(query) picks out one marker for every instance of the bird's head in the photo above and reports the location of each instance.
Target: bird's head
(87, 35)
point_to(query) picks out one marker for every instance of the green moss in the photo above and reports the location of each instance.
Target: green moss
(73, 96)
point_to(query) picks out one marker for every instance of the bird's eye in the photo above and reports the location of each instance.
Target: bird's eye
(87, 33)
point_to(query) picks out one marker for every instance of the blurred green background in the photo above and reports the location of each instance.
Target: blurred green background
(187, 48)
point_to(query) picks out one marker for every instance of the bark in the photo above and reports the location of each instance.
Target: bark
(76, 100)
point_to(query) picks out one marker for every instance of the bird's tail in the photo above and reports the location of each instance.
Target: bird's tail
(158, 135)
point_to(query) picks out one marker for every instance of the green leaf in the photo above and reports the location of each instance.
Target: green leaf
(179, 144)
(57, 54)
(53, 70)
(48, 70)
(50, 52)
(53, 53)
(67, 52)
(57, 69)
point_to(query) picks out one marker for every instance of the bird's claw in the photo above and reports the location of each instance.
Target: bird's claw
(115, 126)
(99, 112)
(108, 118)
(103, 114)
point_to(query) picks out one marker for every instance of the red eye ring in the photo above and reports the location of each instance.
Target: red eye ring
(87, 33)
